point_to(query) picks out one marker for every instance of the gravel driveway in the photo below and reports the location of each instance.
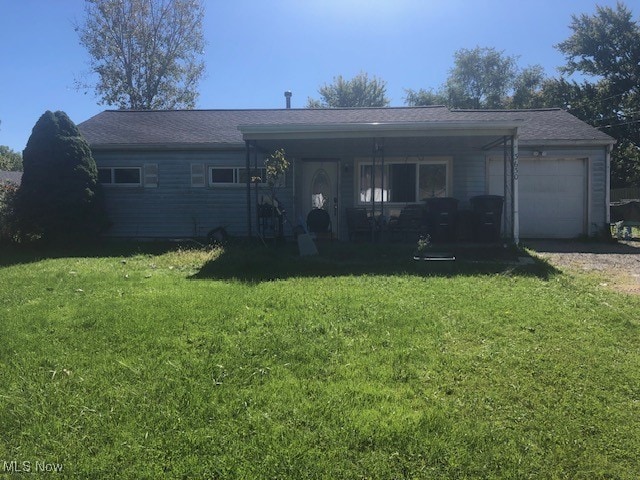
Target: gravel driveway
(617, 263)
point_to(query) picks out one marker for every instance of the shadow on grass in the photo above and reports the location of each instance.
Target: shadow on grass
(260, 264)
(15, 254)
(254, 263)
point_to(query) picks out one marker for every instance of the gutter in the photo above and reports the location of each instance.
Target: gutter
(166, 147)
(366, 130)
(591, 142)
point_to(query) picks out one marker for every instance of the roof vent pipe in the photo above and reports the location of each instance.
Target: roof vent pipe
(287, 95)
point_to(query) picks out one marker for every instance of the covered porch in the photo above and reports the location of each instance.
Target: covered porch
(387, 171)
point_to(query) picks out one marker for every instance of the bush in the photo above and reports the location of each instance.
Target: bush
(60, 198)
(7, 198)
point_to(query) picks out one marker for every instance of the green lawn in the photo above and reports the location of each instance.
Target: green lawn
(252, 363)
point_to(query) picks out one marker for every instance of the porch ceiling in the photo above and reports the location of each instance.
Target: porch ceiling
(398, 138)
(392, 146)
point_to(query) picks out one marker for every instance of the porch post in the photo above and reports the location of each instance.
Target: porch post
(505, 186)
(514, 193)
(382, 189)
(255, 170)
(247, 146)
(373, 192)
(607, 185)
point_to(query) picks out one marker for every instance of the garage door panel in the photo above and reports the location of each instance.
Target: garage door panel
(538, 184)
(571, 204)
(571, 184)
(545, 205)
(575, 167)
(553, 195)
(529, 167)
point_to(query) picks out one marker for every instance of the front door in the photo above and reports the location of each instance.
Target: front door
(319, 189)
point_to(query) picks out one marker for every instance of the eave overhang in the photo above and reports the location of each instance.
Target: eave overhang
(167, 147)
(368, 130)
(568, 143)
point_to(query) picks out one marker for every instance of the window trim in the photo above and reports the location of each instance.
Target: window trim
(113, 182)
(435, 160)
(234, 174)
(237, 172)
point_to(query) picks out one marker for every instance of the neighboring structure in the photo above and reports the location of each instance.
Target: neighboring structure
(10, 177)
(183, 173)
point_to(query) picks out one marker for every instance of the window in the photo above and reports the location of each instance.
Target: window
(406, 181)
(127, 176)
(235, 175)
(432, 180)
(223, 175)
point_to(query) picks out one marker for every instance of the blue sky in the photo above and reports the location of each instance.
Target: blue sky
(257, 49)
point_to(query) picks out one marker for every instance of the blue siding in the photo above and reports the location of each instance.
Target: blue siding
(469, 177)
(175, 209)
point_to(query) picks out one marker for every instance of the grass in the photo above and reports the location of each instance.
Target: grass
(361, 363)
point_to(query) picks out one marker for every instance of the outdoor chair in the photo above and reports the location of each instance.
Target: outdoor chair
(410, 225)
(359, 223)
(270, 222)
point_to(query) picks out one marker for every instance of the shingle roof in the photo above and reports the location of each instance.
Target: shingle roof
(210, 127)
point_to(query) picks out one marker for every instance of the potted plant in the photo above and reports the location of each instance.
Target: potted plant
(424, 243)
(423, 251)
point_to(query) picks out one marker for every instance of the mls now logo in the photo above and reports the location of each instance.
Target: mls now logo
(14, 466)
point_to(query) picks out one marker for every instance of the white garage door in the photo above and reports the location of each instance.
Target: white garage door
(553, 195)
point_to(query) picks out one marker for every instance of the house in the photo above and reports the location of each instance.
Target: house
(182, 173)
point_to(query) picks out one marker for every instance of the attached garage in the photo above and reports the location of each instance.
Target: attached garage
(404, 155)
(553, 192)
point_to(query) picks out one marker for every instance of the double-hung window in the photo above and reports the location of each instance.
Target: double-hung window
(404, 180)
(123, 176)
(221, 176)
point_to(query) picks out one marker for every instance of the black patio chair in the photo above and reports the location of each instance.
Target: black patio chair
(410, 225)
(360, 224)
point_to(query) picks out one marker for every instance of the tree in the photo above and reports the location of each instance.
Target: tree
(7, 201)
(10, 159)
(527, 88)
(605, 47)
(423, 98)
(484, 78)
(480, 78)
(146, 53)
(59, 197)
(360, 91)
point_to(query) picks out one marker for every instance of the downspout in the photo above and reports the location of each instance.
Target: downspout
(515, 190)
(607, 185)
(248, 162)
